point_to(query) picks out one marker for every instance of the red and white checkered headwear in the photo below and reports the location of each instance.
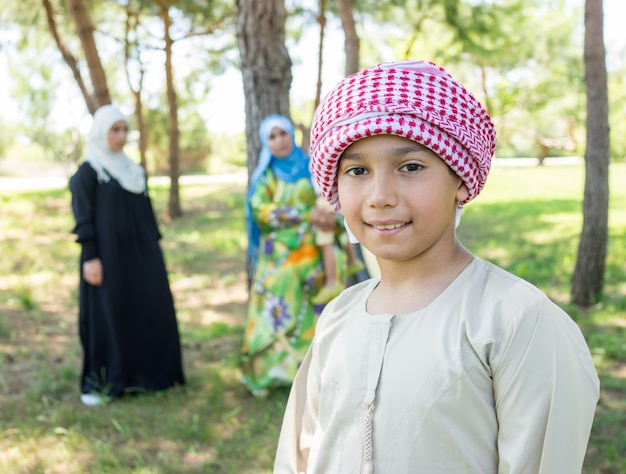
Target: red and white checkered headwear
(412, 99)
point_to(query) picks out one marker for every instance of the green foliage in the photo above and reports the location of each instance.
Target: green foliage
(228, 154)
(523, 59)
(7, 137)
(194, 142)
(205, 45)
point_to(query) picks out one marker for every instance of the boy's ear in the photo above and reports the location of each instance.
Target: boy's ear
(462, 192)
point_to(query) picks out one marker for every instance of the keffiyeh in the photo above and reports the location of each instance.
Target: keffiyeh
(412, 99)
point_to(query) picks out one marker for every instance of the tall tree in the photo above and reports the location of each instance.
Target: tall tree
(131, 54)
(588, 281)
(345, 11)
(84, 28)
(321, 20)
(265, 65)
(174, 207)
(352, 44)
(265, 68)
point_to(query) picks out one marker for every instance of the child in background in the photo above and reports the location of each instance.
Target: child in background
(326, 242)
(446, 362)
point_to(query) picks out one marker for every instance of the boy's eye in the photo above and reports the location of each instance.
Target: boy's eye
(412, 167)
(356, 171)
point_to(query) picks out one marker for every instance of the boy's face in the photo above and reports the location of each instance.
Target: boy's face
(117, 135)
(398, 197)
(280, 143)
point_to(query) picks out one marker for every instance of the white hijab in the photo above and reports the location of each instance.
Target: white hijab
(107, 163)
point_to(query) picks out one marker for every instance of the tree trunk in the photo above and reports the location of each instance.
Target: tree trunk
(141, 128)
(588, 281)
(352, 43)
(69, 59)
(85, 29)
(173, 132)
(265, 66)
(132, 20)
(321, 20)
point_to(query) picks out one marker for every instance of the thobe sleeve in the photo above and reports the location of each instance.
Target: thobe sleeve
(546, 389)
(83, 187)
(300, 419)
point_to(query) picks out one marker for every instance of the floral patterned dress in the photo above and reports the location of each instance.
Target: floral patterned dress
(281, 318)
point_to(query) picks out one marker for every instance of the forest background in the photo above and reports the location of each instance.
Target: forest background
(523, 59)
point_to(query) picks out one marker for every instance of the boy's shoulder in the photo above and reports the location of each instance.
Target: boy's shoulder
(350, 299)
(349, 304)
(497, 279)
(482, 289)
(491, 288)
(357, 291)
(482, 279)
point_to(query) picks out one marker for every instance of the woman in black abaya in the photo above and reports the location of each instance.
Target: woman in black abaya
(127, 321)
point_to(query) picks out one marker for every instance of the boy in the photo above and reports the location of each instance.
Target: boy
(446, 363)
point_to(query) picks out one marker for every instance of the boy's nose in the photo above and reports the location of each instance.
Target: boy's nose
(382, 191)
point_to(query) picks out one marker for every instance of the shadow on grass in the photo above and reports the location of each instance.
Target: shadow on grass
(212, 425)
(537, 240)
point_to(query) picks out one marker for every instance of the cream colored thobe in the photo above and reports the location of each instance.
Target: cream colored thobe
(491, 377)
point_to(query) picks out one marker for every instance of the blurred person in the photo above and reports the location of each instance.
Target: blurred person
(127, 322)
(286, 263)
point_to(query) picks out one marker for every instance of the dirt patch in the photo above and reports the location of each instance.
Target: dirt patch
(36, 342)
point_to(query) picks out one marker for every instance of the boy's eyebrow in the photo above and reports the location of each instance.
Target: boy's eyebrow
(404, 150)
(350, 156)
(399, 151)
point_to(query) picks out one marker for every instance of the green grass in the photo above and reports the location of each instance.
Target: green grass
(527, 220)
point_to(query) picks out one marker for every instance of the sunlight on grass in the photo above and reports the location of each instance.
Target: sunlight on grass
(527, 220)
(509, 183)
(57, 450)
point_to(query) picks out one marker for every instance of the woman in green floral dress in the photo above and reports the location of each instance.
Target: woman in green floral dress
(287, 266)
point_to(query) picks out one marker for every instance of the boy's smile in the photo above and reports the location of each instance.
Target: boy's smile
(398, 197)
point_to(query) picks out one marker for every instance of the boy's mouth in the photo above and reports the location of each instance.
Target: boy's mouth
(389, 226)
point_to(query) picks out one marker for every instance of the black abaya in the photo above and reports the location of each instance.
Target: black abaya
(128, 327)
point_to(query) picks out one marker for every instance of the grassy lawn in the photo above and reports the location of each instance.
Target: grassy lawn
(527, 220)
